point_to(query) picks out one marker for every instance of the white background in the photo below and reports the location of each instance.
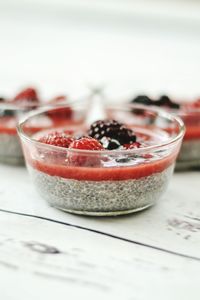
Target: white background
(57, 45)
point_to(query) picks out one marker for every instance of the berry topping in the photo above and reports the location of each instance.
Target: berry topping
(59, 139)
(163, 101)
(110, 144)
(2, 99)
(167, 102)
(27, 95)
(142, 99)
(86, 143)
(83, 159)
(113, 130)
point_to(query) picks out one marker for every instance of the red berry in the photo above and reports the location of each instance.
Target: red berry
(132, 145)
(86, 143)
(84, 159)
(59, 139)
(27, 95)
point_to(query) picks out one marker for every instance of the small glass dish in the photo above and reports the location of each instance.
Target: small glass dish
(108, 182)
(11, 153)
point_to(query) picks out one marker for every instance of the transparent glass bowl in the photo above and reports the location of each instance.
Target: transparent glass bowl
(107, 182)
(10, 114)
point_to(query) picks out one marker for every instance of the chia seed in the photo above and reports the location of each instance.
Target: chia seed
(101, 198)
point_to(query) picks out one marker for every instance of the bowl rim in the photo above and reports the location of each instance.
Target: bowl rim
(145, 149)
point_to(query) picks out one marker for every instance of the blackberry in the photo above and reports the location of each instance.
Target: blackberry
(110, 144)
(166, 101)
(142, 99)
(113, 130)
(2, 99)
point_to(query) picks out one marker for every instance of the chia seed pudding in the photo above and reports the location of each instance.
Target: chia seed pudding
(101, 198)
(107, 169)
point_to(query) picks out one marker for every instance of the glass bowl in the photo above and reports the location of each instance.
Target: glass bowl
(108, 182)
(10, 147)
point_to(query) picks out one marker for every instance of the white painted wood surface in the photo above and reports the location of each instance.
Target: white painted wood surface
(48, 254)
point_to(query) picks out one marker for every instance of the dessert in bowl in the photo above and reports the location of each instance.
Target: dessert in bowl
(11, 110)
(107, 168)
(189, 156)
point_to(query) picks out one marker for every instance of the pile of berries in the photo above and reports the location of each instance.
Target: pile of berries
(102, 135)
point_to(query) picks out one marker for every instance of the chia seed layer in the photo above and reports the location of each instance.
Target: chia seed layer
(189, 156)
(10, 149)
(101, 198)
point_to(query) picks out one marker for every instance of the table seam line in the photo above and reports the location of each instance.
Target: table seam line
(104, 234)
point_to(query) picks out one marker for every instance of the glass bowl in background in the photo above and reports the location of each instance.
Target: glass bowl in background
(107, 182)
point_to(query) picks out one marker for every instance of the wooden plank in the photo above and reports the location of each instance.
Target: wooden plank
(53, 260)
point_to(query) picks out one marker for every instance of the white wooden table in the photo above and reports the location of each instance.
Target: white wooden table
(49, 254)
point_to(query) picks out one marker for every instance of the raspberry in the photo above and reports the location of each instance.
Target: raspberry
(112, 129)
(59, 139)
(27, 95)
(86, 143)
(84, 159)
